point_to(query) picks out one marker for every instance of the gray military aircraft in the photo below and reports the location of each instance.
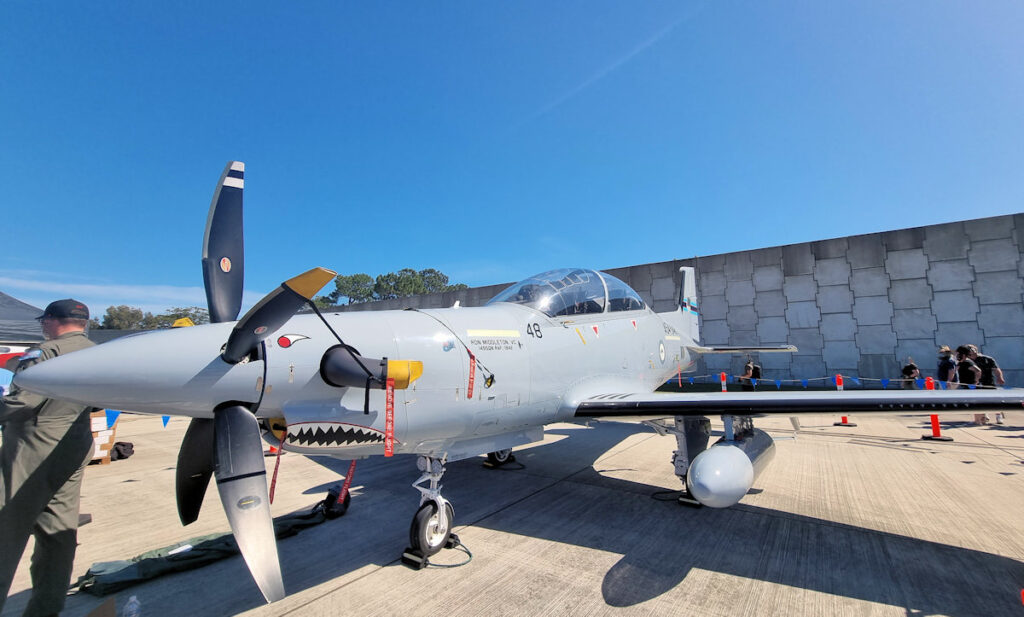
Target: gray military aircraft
(444, 384)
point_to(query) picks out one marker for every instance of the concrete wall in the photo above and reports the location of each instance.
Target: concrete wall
(859, 305)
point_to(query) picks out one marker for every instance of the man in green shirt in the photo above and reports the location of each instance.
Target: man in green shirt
(46, 445)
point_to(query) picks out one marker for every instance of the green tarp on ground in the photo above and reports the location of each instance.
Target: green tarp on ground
(108, 577)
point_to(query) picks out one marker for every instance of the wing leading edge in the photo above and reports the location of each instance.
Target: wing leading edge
(794, 403)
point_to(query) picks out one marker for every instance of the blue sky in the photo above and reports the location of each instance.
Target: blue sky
(490, 140)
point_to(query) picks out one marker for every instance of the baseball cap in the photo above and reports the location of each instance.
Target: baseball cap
(66, 309)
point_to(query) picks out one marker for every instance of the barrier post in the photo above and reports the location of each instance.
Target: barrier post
(936, 431)
(929, 384)
(845, 420)
(722, 377)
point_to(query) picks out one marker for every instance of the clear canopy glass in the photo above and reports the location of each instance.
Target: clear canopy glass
(572, 291)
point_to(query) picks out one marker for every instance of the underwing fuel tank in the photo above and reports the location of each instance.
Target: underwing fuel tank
(721, 475)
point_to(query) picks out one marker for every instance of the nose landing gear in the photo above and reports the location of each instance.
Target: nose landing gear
(431, 528)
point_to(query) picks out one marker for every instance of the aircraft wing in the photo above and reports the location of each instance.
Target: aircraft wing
(792, 403)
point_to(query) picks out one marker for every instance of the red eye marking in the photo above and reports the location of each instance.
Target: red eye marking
(287, 340)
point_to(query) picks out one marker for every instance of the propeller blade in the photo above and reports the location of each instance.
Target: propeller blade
(223, 254)
(273, 311)
(195, 466)
(242, 483)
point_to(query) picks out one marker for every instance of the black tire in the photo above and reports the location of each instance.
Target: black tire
(428, 534)
(500, 457)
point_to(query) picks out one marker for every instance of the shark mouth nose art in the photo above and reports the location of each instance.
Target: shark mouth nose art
(332, 434)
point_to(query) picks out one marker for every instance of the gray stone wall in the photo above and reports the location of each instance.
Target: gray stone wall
(859, 306)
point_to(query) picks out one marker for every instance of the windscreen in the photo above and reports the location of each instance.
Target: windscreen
(568, 291)
(621, 296)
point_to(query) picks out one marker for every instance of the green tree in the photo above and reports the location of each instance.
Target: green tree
(197, 314)
(150, 321)
(434, 280)
(122, 317)
(437, 281)
(356, 288)
(409, 282)
(385, 288)
(130, 318)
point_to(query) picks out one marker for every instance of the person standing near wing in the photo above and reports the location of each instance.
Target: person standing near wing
(46, 445)
(751, 373)
(946, 371)
(910, 374)
(967, 371)
(991, 374)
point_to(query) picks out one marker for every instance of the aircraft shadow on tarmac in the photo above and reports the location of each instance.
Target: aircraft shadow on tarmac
(661, 542)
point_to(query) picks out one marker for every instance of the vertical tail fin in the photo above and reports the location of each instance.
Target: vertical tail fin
(685, 316)
(688, 301)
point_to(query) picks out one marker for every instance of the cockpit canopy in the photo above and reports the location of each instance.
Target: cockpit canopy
(572, 291)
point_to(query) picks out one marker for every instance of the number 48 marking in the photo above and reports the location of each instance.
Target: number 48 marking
(533, 329)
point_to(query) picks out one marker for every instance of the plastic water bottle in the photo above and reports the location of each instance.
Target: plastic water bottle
(132, 608)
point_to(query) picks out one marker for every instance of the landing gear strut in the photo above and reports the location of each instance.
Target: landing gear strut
(500, 457)
(692, 435)
(431, 528)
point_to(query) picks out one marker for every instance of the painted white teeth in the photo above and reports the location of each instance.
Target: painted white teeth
(332, 434)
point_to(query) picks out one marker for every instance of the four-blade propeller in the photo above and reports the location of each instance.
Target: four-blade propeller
(229, 446)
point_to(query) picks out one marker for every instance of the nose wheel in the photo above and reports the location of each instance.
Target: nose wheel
(431, 528)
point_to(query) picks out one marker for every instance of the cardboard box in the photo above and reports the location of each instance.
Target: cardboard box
(102, 437)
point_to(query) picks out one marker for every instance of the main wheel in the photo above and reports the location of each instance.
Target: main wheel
(430, 528)
(500, 457)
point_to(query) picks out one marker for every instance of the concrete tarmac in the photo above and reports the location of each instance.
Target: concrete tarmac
(868, 520)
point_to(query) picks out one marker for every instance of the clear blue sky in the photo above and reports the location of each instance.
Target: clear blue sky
(490, 140)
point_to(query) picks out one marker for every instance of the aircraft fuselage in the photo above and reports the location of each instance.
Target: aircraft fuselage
(530, 370)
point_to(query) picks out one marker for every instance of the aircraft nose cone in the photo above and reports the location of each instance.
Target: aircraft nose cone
(163, 372)
(55, 378)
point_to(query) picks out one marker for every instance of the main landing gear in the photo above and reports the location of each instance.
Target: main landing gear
(692, 434)
(431, 528)
(500, 458)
